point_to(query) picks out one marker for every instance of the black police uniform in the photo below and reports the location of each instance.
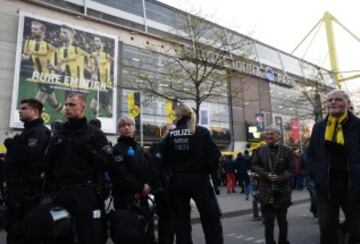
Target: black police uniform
(2, 177)
(78, 154)
(164, 206)
(192, 158)
(129, 175)
(24, 167)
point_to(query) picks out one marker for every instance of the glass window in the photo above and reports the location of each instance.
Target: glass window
(268, 56)
(138, 62)
(290, 101)
(164, 15)
(65, 4)
(242, 46)
(115, 19)
(291, 64)
(310, 72)
(131, 6)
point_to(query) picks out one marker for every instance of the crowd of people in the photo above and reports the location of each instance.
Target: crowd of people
(71, 185)
(68, 184)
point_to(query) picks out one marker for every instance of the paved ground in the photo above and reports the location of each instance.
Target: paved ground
(303, 228)
(240, 228)
(235, 203)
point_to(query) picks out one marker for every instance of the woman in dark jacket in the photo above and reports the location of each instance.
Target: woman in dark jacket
(192, 156)
(132, 174)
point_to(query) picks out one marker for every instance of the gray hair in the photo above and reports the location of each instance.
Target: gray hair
(273, 128)
(125, 119)
(342, 92)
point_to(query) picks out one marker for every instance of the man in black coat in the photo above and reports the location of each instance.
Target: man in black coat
(24, 168)
(274, 163)
(78, 154)
(333, 160)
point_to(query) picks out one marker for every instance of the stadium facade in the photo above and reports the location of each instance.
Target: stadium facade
(272, 82)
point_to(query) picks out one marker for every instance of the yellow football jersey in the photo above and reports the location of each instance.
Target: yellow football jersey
(72, 59)
(41, 54)
(103, 67)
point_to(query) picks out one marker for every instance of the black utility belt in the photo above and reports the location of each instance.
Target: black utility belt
(23, 180)
(88, 183)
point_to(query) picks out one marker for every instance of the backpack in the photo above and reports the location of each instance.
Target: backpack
(128, 225)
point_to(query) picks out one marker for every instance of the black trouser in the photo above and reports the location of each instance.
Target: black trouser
(269, 214)
(185, 186)
(255, 207)
(328, 212)
(20, 200)
(87, 212)
(166, 221)
(310, 185)
(244, 180)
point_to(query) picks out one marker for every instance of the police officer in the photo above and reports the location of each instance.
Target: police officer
(24, 167)
(164, 205)
(132, 175)
(192, 156)
(78, 154)
(2, 169)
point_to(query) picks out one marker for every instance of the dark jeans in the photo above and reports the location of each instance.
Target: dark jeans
(196, 186)
(310, 185)
(244, 180)
(87, 211)
(255, 207)
(298, 182)
(269, 214)
(328, 211)
(166, 221)
(18, 207)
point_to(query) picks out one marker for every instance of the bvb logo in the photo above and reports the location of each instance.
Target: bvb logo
(134, 111)
(171, 115)
(45, 117)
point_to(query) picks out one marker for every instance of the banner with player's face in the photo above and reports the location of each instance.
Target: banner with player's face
(55, 59)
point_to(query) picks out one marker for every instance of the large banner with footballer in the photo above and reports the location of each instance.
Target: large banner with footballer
(55, 59)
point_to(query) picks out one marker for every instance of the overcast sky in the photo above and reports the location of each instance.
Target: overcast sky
(283, 24)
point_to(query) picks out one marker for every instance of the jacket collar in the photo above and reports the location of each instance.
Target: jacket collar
(33, 123)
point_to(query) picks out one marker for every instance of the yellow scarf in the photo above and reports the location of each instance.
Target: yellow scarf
(334, 130)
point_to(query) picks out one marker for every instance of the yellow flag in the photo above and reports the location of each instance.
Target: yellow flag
(170, 114)
(2, 148)
(134, 110)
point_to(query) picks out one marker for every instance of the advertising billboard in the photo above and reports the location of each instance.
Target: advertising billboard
(252, 132)
(295, 129)
(260, 121)
(55, 59)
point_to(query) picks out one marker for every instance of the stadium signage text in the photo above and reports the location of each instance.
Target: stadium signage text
(256, 70)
